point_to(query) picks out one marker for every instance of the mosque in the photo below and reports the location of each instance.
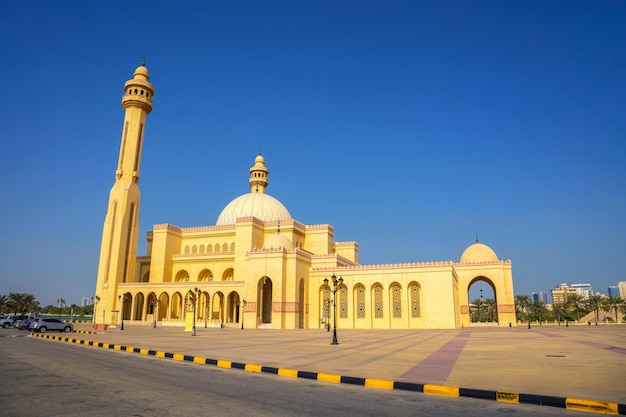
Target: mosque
(258, 267)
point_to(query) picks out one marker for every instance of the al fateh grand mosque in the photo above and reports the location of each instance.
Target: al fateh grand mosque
(259, 267)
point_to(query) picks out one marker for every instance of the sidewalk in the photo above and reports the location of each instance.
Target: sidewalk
(587, 362)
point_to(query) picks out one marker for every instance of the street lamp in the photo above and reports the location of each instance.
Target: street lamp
(95, 300)
(336, 285)
(243, 307)
(193, 297)
(327, 311)
(155, 312)
(122, 298)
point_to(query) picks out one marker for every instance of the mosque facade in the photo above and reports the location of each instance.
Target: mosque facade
(258, 267)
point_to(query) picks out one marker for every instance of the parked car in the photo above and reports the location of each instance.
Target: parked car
(22, 324)
(43, 325)
(8, 321)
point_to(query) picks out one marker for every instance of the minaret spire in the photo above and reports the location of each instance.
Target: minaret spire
(120, 233)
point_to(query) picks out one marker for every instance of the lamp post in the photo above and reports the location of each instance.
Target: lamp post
(336, 286)
(193, 297)
(206, 311)
(156, 312)
(243, 307)
(95, 300)
(122, 298)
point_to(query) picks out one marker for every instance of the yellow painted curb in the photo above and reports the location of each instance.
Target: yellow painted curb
(129, 349)
(144, 351)
(160, 354)
(592, 406)
(224, 364)
(253, 368)
(105, 345)
(178, 357)
(507, 397)
(332, 378)
(433, 389)
(292, 373)
(199, 359)
(378, 383)
(117, 347)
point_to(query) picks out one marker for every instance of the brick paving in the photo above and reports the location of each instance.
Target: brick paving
(587, 362)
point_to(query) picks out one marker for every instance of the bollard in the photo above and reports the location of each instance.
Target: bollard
(95, 326)
(104, 327)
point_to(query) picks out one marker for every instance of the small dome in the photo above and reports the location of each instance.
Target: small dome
(141, 72)
(260, 205)
(478, 253)
(278, 241)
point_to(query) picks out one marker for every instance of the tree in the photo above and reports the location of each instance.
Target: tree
(477, 305)
(523, 301)
(575, 302)
(22, 303)
(614, 303)
(4, 304)
(559, 311)
(539, 309)
(492, 312)
(595, 303)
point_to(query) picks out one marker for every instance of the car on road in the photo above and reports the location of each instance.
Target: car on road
(43, 325)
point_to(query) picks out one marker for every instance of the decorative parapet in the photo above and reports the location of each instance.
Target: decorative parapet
(320, 227)
(167, 226)
(388, 266)
(349, 243)
(507, 262)
(208, 228)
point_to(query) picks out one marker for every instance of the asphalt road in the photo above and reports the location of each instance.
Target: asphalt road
(46, 378)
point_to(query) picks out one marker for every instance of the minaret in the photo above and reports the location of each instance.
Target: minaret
(121, 225)
(258, 175)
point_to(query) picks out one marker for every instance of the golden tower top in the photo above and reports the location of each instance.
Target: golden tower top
(139, 91)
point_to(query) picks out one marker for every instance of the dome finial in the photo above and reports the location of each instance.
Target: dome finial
(143, 61)
(476, 237)
(260, 153)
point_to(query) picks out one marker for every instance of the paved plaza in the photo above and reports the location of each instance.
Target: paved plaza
(578, 361)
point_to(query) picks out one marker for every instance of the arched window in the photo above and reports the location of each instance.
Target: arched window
(396, 298)
(360, 302)
(201, 249)
(378, 302)
(209, 248)
(415, 300)
(343, 302)
(194, 249)
(225, 247)
(187, 249)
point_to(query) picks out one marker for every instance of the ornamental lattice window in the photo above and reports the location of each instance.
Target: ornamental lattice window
(378, 302)
(343, 302)
(415, 301)
(360, 302)
(396, 293)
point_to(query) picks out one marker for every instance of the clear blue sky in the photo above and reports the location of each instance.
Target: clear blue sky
(408, 126)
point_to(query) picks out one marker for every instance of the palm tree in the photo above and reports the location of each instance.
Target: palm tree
(477, 305)
(595, 303)
(558, 309)
(575, 302)
(614, 303)
(491, 310)
(4, 304)
(539, 308)
(22, 303)
(523, 301)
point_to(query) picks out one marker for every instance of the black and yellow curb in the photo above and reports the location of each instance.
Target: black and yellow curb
(578, 404)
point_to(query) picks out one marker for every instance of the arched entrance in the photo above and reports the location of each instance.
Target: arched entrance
(232, 308)
(482, 301)
(264, 300)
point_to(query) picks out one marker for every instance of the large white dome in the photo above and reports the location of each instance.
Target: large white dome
(260, 205)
